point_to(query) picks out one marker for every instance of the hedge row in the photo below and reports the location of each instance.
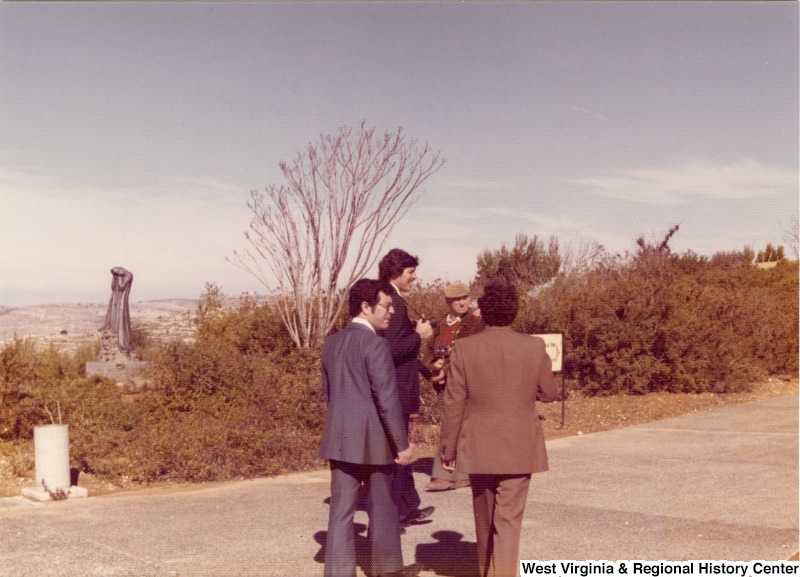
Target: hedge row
(241, 401)
(682, 324)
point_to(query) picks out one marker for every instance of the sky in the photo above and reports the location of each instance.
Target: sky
(131, 134)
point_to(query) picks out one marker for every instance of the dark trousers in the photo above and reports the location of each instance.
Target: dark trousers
(405, 494)
(498, 502)
(384, 525)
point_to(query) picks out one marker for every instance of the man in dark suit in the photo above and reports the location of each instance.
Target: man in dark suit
(491, 428)
(364, 435)
(399, 269)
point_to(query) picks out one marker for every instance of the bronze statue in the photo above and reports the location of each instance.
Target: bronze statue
(118, 320)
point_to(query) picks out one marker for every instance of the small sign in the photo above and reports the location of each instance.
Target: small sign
(553, 344)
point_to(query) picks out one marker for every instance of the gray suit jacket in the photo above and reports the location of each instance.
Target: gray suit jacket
(364, 423)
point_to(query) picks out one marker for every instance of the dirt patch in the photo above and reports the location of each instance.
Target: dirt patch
(592, 414)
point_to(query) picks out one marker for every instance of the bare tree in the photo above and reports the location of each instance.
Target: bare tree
(322, 230)
(529, 263)
(582, 256)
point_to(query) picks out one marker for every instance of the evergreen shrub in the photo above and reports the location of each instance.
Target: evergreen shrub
(242, 401)
(676, 323)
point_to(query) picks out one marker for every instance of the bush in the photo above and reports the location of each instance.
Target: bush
(243, 401)
(223, 414)
(677, 323)
(238, 402)
(32, 386)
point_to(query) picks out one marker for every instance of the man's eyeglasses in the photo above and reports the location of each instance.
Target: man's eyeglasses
(387, 306)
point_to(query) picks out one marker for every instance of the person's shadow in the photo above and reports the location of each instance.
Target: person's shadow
(449, 556)
(362, 547)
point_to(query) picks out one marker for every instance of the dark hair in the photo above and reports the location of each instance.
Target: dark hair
(499, 304)
(365, 290)
(394, 263)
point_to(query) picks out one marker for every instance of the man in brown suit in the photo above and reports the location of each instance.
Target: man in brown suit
(491, 428)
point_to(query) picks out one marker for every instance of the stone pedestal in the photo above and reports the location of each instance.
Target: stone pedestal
(117, 364)
(120, 371)
(51, 459)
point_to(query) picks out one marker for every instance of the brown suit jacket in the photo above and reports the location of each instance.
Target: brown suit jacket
(490, 423)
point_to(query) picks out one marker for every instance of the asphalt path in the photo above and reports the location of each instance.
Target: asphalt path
(721, 484)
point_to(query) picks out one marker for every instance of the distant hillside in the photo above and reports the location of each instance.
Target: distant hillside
(67, 325)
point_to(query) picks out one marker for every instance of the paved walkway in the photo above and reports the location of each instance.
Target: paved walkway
(721, 484)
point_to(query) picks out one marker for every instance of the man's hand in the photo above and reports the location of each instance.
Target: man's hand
(449, 465)
(439, 377)
(424, 329)
(404, 457)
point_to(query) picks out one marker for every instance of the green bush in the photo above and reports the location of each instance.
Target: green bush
(677, 323)
(243, 401)
(32, 386)
(238, 402)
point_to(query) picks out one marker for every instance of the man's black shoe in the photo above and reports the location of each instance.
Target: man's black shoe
(407, 571)
(417, 515)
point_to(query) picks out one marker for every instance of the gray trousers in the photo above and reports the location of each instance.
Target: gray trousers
(386, 554)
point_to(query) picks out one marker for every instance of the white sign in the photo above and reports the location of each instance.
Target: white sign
(554, 347)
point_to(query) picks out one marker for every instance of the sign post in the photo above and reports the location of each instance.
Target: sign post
(554, 345)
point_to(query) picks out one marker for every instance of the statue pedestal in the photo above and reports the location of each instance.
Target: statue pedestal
(121, 371)
(116, 364)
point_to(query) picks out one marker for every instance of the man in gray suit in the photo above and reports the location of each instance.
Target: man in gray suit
(364, 435)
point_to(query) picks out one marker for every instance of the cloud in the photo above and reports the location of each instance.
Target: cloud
(460, 185)
(13, 180)
(550, 223)
(591, 113)
(62, 237)
(678, 184)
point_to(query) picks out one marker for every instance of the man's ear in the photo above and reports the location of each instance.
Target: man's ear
(365, 308)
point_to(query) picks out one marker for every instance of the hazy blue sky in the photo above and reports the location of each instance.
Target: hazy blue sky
(132, 134)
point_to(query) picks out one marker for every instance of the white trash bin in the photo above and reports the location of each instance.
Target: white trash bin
(51, 460)
(51, 457)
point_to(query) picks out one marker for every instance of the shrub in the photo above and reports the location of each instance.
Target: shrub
(249, 327)
(678, 323)
(31, 386)
(238, 402)
(242, 401)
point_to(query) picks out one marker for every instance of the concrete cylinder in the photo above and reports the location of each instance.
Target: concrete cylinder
(51, 456)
